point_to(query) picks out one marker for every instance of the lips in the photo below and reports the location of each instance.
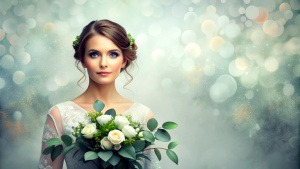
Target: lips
(103, 73)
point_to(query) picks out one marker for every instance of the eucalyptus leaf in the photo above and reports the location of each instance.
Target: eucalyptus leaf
(137, 164)
(53, 141)
(139, 145)
(120, 165)
(111, 112)
(142, 156)
(172, 145)
(128, 152)
(114, 160)
(148, 136)
(67, 140)
(158, 155)
(169, 125)
(56, 152)
(172, 155)
(105, 155)
(104, 164)
(67, 149)
(98, 105)
(162, 135)
(152, 124)
(48, 150)
(90, 155)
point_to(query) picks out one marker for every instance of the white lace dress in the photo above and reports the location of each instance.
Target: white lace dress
(60, 120)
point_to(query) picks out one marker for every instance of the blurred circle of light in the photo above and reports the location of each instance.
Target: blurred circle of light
(243, 18)
(242, 10)
(49, 27)
(12, 39)
(232, 30)
(288, 14)
(233, 10)
(211, 9)
(2, 34)
(190, 17)
(250, 94)
(224, 87)
(167, 83)
(263, 15)
(292, 30)
(31, 23)
(2, 49)
(21, 41)
(296, 71)
(271, 64)
(281, 21)
(209, 27)
(267, 80)
(17, 116)
(196, 1)
(154, 29)
(226, 50)
(291, 47)
(22, 29)
(216, 43)
(209, 70)
(222, 21)
(295, 4)
(284, 7)
(246, 1)
(80, 2)
(7, 61)
(18, 10)
(288, 89)
(9, 26)
(193, 50)
(141, 38)
(158, 54)
(188, 64)
(18, 77)
(25, 59)
(257, 38)
(223, 1)
(241, 63)
(251, 53)
(248, 23)
(252, 12)
(61, 79)
(271, 28)
(249, 79)
(16, 50)
(188, 36)
(233, 70)
(2, 83)
(173, 61)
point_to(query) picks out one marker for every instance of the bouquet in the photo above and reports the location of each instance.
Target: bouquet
(114, 140)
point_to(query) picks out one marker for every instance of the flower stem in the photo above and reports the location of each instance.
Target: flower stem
(156, 148)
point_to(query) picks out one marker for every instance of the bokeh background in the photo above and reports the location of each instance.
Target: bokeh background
(227, 71)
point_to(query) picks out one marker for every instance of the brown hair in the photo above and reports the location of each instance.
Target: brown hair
(115, 33)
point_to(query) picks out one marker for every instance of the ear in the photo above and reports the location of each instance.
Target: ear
(124, 63)
(83, 64)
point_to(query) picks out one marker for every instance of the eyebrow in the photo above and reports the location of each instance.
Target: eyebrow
(94, 50)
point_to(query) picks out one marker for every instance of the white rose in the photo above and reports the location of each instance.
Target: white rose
(121, 121)
(106, 144)
(117, 147)
(129, 131)
(116, 137)
(89, 130)
(104, 119)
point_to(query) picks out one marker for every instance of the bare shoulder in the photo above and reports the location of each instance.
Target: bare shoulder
(149, 116)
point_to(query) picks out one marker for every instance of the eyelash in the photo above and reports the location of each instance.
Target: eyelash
(112, 53)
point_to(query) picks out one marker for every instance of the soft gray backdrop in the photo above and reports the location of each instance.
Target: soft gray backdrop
(227, 71)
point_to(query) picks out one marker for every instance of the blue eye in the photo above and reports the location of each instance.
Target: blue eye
(114, 54)
(93, 54)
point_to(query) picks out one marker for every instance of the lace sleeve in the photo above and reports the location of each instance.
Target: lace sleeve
(52, 129)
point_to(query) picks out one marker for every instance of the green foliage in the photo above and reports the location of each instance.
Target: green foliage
(158, 155)
(48, 150)
(98, 105)
(169, 125)
(172, 145)
(105, 155)
(56, 152)
(134, 124)
(139, 145)
(162, 135)
(137, 164)
(67, 149)
(152, 124)
(172, 155)
(90, 155)
(77, 130)
(148, 136)
(127, 152)
(93, 116)
(67, 140)
(129, 141)
(53, 141)
(114, 160)
(111, 112)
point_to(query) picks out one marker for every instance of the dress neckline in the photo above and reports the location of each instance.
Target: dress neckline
(86, 111)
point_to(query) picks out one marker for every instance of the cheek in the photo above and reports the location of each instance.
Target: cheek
(116, 66)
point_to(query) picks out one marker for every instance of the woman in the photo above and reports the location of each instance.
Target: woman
(105, 50)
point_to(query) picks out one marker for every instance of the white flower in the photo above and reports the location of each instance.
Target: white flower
(137, 129)
(121, 121)
(129, 131)
(116, 137)
(104, 119)
(106, 144)
(117, 147)
(141, 135)
(89, 130)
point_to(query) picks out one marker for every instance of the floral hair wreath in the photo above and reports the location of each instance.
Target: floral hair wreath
(131, 40)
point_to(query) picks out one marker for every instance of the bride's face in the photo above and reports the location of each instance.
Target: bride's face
(103, 59)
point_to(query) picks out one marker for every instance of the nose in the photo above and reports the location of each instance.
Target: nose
(103, 62)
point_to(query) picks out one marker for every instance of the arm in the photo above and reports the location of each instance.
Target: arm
(149, 116)
(52, 129)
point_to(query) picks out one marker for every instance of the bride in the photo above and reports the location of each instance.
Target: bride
(104, 50)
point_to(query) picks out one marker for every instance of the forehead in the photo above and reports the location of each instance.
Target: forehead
(100, 42)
